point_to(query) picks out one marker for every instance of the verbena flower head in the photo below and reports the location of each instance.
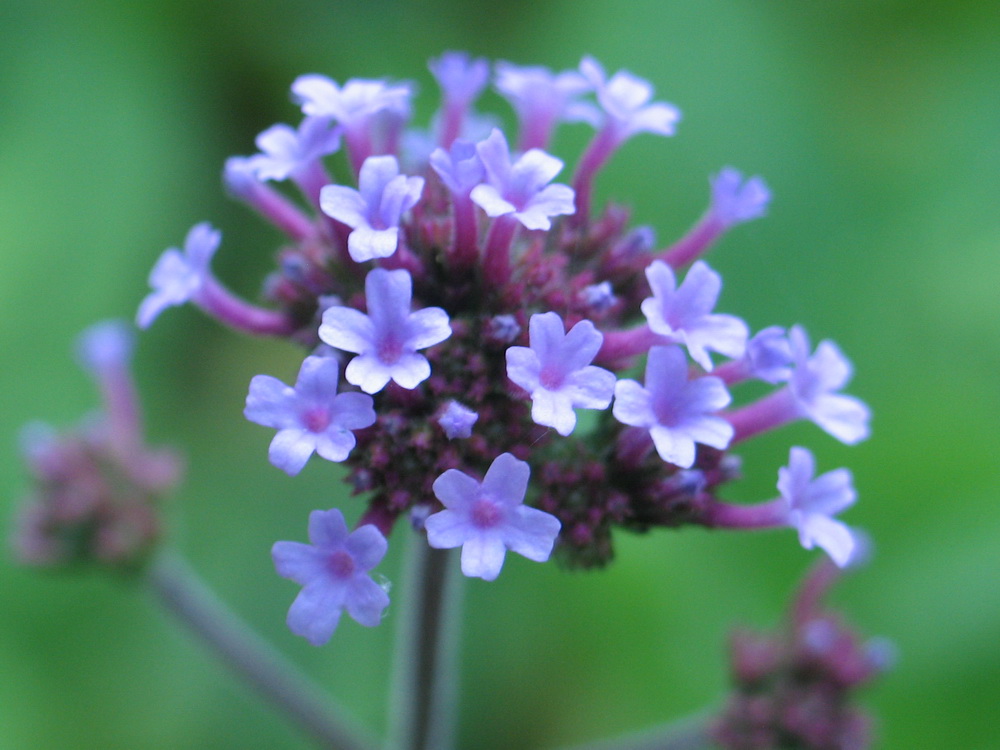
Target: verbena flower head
(488, 518)
(479, 304)
(179, 275)
(311, 417)
(813, 502)
(387, 339)
(333, 570)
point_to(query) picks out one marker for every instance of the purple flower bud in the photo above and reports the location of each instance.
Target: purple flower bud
(456, 420)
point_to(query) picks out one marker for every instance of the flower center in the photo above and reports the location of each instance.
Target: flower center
(316, 419)
(340, 564)
(551, 377)
(390, 349)
(485, 513)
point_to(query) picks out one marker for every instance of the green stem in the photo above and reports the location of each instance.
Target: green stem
(686, 734)
(179, 589)
(422, 708)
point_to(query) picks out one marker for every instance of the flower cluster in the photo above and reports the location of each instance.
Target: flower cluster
(486, 321)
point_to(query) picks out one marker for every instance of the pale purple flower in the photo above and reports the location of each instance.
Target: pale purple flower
(373, 212)
(311, 417)
(599, 297)
(353, 104)
(812, 503)
(735, 200)
(541, 99)
(287, 152)
(386, 340)
(522, 188)
(459, 167)
(333, 572)
(460, 77)
(677, 412)
(456, 420)
(487, 519)
(814, 383)
(684, 315)
(178, 276)
(557, 373)
(105, 346)
(625, 101)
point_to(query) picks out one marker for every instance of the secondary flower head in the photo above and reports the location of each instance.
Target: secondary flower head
(814, 383)
(311, 417)
(625, 101)
(375, 210)
(735, 200)
(388, 337)
(521, 189)
(812, 503)
(287, 151)
(557, 373)
(333, 572)
(684, 315)
(677, 412)
(178, 275)
(488, 518)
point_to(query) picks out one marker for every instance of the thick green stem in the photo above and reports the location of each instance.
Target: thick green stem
(425, 676)
(179, 589)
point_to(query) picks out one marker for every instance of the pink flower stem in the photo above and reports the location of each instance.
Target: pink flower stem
(817, 583)
(179, 590)
(597, 154)
(772, 411)
(536, 132)
(240, 315)
(496, 262)
(720, 515)
(451, 127)
(359, 147)
(465, 246)
(693, 244)
(619, 345)
(311, 180)
(733, 372)
(121, 402)
(278, 210)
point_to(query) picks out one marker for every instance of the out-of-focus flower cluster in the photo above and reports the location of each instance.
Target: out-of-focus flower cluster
(463, 311)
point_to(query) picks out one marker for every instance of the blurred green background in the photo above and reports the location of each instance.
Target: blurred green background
(877, 125)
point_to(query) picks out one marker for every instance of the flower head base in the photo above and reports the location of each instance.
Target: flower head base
(375, 210)
(178, 276)
(388, 337)
(521, 189)
(486, 519)
(333, 572)
(311, 417)
(812, 503)
(684, 315)
(677, 412)
(557, 373)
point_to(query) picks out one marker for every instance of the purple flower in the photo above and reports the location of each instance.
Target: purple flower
(388, 337)
(106, 346)
(333, 573)
(521, 188)
(487, 519)
(459, 168)
(354, 104)
(375, 211)
(684, 315)
(460, 77)
(541, 99)
(812, 503)
(814, 382)
(556, 371)
(624, 98)
(735, 200)
(769, 355)
(178, 276)
(456, 420)
(310, 417)
(677, 412)
(287, 152)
